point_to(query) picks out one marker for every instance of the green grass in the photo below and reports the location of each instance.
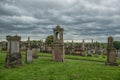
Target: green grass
(100, 58)
(72, 69)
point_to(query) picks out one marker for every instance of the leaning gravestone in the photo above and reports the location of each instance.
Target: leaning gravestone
(13, 51)
(58, 45)
(111, 53)
(29, 56)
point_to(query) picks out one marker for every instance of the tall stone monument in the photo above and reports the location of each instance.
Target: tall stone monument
(58, 45)
(29, 53)
(111, 53)
(29, 42)
(13, 51)
(83, 48)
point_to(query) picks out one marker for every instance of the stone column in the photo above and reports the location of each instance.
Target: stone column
(13, 51)
(111, 53)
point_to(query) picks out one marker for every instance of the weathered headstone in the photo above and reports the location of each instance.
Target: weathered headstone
(58, 45)
(29, 55)
(111, 53)
(118, 54)
(13, 51)
(34, 51)
(4, 45)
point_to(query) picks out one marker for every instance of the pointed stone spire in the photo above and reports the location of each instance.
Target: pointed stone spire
(29, 42)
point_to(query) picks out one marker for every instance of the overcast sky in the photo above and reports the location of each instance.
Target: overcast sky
(81, 19)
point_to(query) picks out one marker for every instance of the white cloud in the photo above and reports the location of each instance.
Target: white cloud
(80, 18)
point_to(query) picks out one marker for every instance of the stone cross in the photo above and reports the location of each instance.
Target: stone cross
(29, 55)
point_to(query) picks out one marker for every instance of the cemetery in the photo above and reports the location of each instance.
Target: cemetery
(55, 59)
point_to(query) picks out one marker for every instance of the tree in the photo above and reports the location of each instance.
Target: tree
(116, 44)
(33, 44)
(49, 40)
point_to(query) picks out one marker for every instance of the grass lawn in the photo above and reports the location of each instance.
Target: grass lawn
(45, 69)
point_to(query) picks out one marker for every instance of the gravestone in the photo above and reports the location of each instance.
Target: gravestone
(13, 51)
(34, 51)
(111, 53)
(118, 54)
(29, 55)
(4, 45)
(58, 45)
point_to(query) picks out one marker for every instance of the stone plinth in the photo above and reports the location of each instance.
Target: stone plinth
(58, 52)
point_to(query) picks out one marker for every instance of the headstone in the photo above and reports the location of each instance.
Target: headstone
(29, 55)
(111, 53)
(58, 45)
(4, 45)
(13, 51)
(118, 54)
(34, 50)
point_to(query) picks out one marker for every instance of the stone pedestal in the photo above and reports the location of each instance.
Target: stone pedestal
(58, 52)
(111, 57)
(111, 53)
(58, 45)
(13, 51)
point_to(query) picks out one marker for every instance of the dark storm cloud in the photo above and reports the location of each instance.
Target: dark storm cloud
(79, 18)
